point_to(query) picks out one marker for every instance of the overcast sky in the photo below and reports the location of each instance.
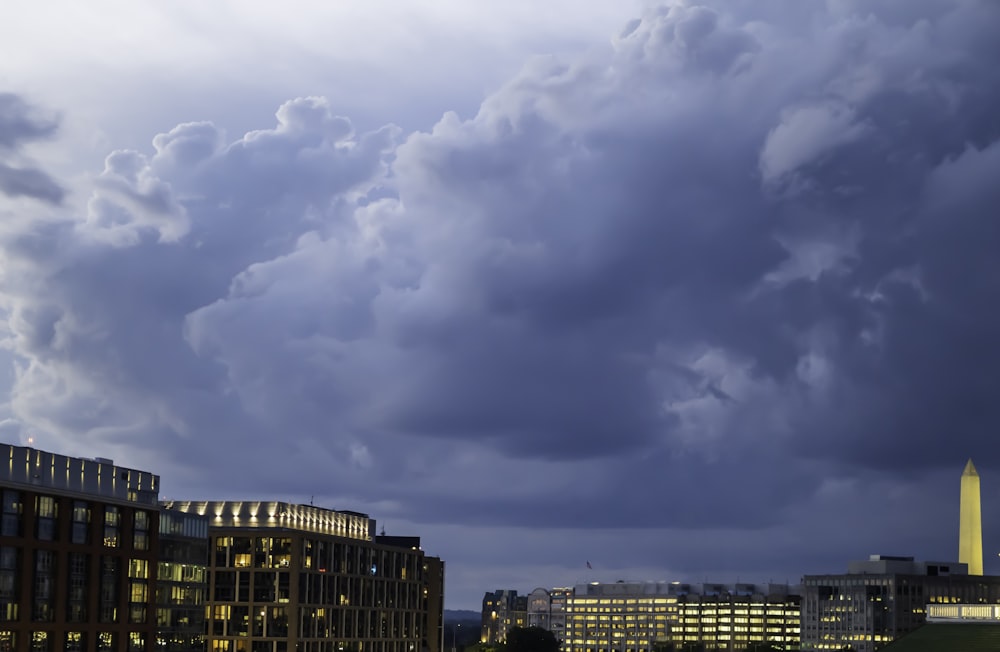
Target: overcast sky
(688, 291)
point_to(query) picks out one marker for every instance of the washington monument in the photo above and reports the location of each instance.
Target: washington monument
(970, 523)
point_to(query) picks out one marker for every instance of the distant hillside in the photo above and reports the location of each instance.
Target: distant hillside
(462, 616)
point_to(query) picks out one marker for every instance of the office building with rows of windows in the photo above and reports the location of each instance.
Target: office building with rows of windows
(299, 578)
(637, 616)
(78, 547)
(883, 598)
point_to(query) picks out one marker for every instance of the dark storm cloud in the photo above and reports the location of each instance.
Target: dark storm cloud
(21, 124)
(708, 279)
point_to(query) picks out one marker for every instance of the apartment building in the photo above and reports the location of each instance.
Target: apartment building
(79, 543)
(299, 578)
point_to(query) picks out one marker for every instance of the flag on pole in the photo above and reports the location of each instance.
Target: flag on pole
(589, 566)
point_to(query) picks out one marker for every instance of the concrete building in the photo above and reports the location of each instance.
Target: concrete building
(883, 598)
(970, 524)
(299, 578)
(546, 608)
(79, 543)
(638, 616)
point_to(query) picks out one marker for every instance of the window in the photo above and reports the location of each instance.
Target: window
(112, 525)
(76, 596)
(109, 590)
(106, 642)
(7, 641)
(138, 569)
(81, 522)
(136, 641)
(74, 642)
(46, 511)
(10, 526)
(137, 591)
(44, 589)
(140, 530)
(41, 642)
(8, 585)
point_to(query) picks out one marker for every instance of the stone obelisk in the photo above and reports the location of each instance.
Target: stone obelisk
(970, 522)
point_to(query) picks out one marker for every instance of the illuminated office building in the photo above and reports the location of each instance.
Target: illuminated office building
(298, 578)
(79, 540)
(635, 617)
(880, 599)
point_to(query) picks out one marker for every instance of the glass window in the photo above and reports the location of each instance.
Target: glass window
(10, 526)
(138, 568)
(140, 530)
(81, 522)
(112, 524)
(76, 596)
(44, 589)
(41, 642)
(45, 507)
(106, 642)
(9, 585)
(137, 591)
(109, 590)
(74, 642)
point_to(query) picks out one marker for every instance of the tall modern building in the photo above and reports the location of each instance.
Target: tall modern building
(79, 542)
(970, 524)
(880, 599)
(299, 578)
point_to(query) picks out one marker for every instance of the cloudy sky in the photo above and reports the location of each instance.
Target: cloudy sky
(692, 290)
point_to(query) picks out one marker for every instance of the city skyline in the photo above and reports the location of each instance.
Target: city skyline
(692, 291)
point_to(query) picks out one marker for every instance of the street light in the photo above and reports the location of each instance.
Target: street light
(454, 635)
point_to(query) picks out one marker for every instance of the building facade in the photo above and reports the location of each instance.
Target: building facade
(433, 597)
(640, 616)
(546, 608)
(502, 611)
(298, 578)
(182, 582)
(880, 599)
(79, 542)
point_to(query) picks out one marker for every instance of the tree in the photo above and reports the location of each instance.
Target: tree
(531, 639)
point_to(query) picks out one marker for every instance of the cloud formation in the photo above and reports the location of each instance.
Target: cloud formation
(741, 248)
(20, 124)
